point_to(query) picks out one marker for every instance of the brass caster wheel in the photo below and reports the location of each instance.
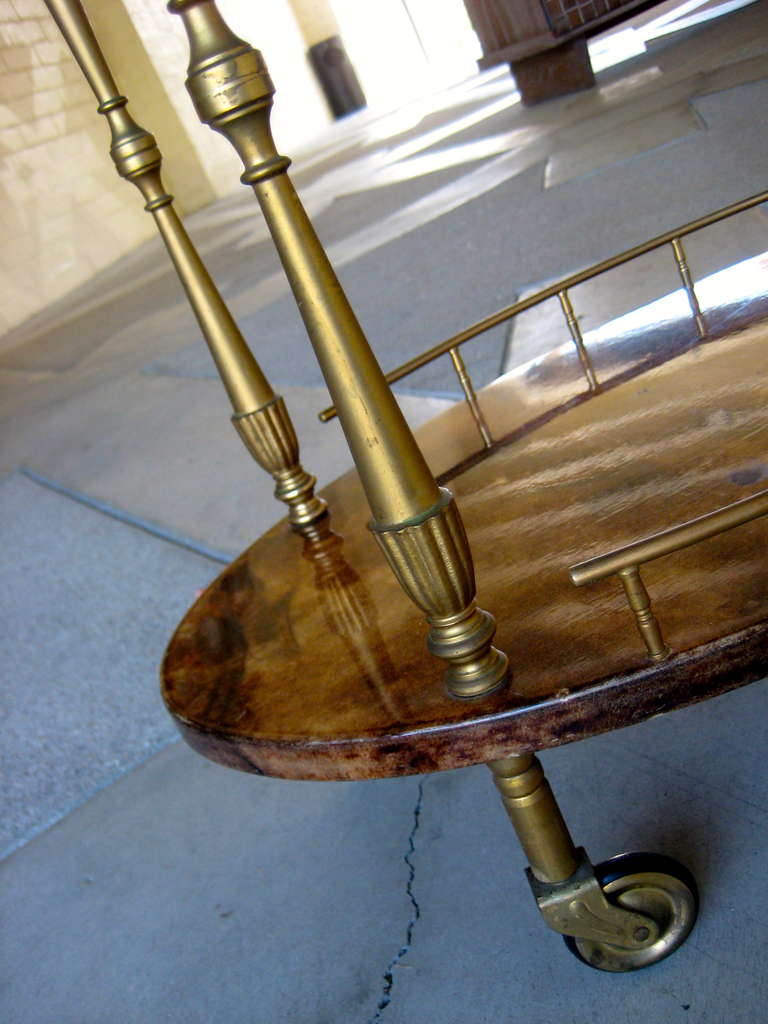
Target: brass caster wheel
(650, 884)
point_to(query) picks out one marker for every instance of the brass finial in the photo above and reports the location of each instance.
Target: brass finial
(260, 416)
(416, 523)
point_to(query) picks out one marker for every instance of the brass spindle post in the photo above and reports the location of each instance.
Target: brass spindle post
(260, 416)
(686, 277)
(415, 522)
(640, 603)
(471, 398)
(578, 339)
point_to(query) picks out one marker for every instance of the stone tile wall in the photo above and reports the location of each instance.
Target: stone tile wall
(62, 214)
(64, 211)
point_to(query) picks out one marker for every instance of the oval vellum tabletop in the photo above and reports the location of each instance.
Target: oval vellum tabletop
(306, 660)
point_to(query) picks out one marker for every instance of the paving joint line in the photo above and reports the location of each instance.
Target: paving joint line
(128, 518)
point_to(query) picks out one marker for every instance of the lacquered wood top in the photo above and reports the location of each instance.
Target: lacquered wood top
(731, 300)
(307, 661)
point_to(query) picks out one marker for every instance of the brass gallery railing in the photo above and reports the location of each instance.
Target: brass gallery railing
(560, 289)
(626, 561)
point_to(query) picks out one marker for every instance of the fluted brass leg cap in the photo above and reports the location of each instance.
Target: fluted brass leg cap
(476, 668)
(268, 434)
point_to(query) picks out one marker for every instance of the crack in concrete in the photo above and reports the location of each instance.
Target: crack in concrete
(389, 977)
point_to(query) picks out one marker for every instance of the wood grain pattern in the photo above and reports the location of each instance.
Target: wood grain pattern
(307, 661)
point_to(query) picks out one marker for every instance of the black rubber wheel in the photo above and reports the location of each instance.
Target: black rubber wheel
(652, 884)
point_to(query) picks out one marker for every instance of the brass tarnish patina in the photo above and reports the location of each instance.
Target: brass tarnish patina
(417, 525)
(577, 906)
(260, 416)
(632, 920)
(562, 879)
(536, 818)
(655, 896)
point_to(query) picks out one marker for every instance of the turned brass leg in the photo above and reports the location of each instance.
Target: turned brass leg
(533, 811)
(619, 916)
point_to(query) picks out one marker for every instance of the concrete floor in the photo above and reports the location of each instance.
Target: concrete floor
(145, 884)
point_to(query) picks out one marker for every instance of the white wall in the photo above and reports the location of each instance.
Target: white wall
(396, 63)
(299, 111)
(65, 212)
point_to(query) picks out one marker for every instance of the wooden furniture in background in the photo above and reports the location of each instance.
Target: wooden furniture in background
(544, 41)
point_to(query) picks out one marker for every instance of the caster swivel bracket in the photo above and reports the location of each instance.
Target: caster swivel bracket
(577, 906)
